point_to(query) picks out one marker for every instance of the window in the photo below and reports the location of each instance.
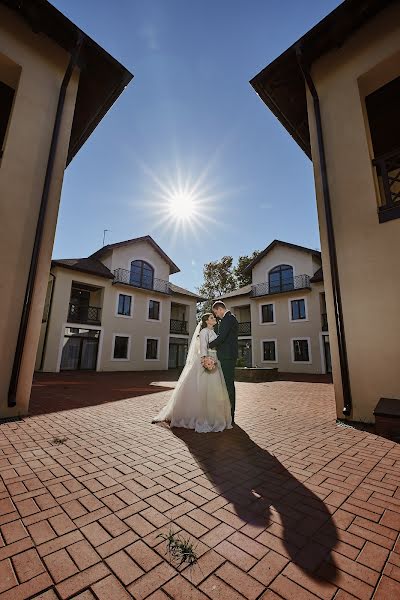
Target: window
(154, 310)
(151, 349)
(301, 351)
(142, 274)
(121, 347)
(298, 309)
(384, 124)
(280, 279)
(267, 313)
(269, 350)
(124, 305)
(6, 103)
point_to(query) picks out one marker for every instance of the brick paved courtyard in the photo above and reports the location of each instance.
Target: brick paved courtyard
(287, 505)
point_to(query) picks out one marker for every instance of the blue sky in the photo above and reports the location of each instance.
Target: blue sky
(190, 115)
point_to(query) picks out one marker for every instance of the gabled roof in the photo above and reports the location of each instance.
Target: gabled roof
(146, 238)
(281, 85)
(243, 291)
(86, 265)
(318, 276)
(102, 78)
(175, 289)
(275, 243)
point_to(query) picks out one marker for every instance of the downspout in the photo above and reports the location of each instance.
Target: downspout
(337, 299)
(48, 322)
(12, 391)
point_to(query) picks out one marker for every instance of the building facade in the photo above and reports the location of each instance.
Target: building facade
(340, 103)
(116, 311)
(282, 314)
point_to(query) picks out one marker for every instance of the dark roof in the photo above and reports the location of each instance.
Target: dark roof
(86, 265)
(318, 276)
(145, 238)
(272, 245)
(175, 289)
(281, 85)
(102, 77)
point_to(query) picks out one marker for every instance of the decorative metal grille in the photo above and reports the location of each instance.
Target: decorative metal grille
(264, 289)
(83, 314)
(245, 328)
(388, 171)
(157, 285)
(176, 326)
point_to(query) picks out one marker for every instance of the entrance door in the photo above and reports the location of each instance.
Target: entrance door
(178, 349)
(244, 353)
(80, 349)
(327, 354)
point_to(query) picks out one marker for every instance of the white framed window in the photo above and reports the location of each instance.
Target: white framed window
(269, 350)
(152, 348)
(154, 310)
(301, 350)
(267, 313)
(121, 347)
(298, 310)
(124, 306)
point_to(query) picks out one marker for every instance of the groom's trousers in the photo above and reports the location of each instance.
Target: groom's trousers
(228, 369)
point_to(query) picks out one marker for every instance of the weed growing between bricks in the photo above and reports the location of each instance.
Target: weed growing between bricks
(180, 550)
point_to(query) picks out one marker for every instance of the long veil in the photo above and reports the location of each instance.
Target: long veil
(192, 356)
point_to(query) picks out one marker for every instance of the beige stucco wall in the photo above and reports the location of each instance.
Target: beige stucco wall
(284, 330)
(22, 172)
(367, 252)
(121, 258)
(138, 326)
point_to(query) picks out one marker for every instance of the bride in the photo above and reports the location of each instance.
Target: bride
(200, 399)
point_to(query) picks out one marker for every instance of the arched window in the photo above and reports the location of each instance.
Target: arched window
(142, 274)
(280, 279)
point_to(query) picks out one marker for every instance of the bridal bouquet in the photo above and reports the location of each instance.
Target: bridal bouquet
(208, 363)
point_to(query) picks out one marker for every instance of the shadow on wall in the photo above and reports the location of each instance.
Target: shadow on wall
(278, 508)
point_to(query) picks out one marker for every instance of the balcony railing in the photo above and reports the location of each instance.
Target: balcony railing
(324, 322)
(177, 326)
(84, 314)
(299, 282)
(156, 285)
(245, 328)
(388, 171)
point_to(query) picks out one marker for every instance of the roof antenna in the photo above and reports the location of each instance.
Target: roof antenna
(104, 235)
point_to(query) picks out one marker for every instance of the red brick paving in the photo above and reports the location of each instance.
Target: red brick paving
(287, 505)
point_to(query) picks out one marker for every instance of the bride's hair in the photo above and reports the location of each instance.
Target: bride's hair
(204, 320)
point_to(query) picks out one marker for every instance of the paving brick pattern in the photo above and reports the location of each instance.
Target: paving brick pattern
(287, 505)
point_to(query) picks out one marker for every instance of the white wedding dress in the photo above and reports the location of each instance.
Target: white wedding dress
(200, 399)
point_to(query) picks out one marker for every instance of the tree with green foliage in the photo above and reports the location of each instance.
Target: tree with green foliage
(241, 277)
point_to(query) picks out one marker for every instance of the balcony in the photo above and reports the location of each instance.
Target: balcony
(300, 282)
(153, 284)
(388, 171)
(245, 328)
(177, 326)
(88, 315)
(324, 322)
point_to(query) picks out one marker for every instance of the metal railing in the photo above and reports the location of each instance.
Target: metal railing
(265, 289)
(245, 328)
(388, 171)
(157, 285)
(324, 322)
(78, 313)
(177, 326)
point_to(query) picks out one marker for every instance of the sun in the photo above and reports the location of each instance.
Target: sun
(182, 206)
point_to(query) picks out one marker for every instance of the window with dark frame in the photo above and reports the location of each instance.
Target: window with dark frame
(154, 310)
(269, 351)
(267, 313)
(300, 351)
(384, 125)
(124, 305)
(142, 274)
(280, 279)
(121, 344)
(6, 103)
(151, 349)
(298, 309)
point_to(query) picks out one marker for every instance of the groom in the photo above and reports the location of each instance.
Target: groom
(226, 344)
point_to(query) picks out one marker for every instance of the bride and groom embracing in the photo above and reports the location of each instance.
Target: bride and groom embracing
(204, 397)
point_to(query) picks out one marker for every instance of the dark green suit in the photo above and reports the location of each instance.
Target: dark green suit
(227, 351)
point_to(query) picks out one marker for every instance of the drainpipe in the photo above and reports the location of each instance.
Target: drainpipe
(12, 391)
(48, 321)
(337, 299)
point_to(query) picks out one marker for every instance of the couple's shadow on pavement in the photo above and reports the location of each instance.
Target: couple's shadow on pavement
(277, 507)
